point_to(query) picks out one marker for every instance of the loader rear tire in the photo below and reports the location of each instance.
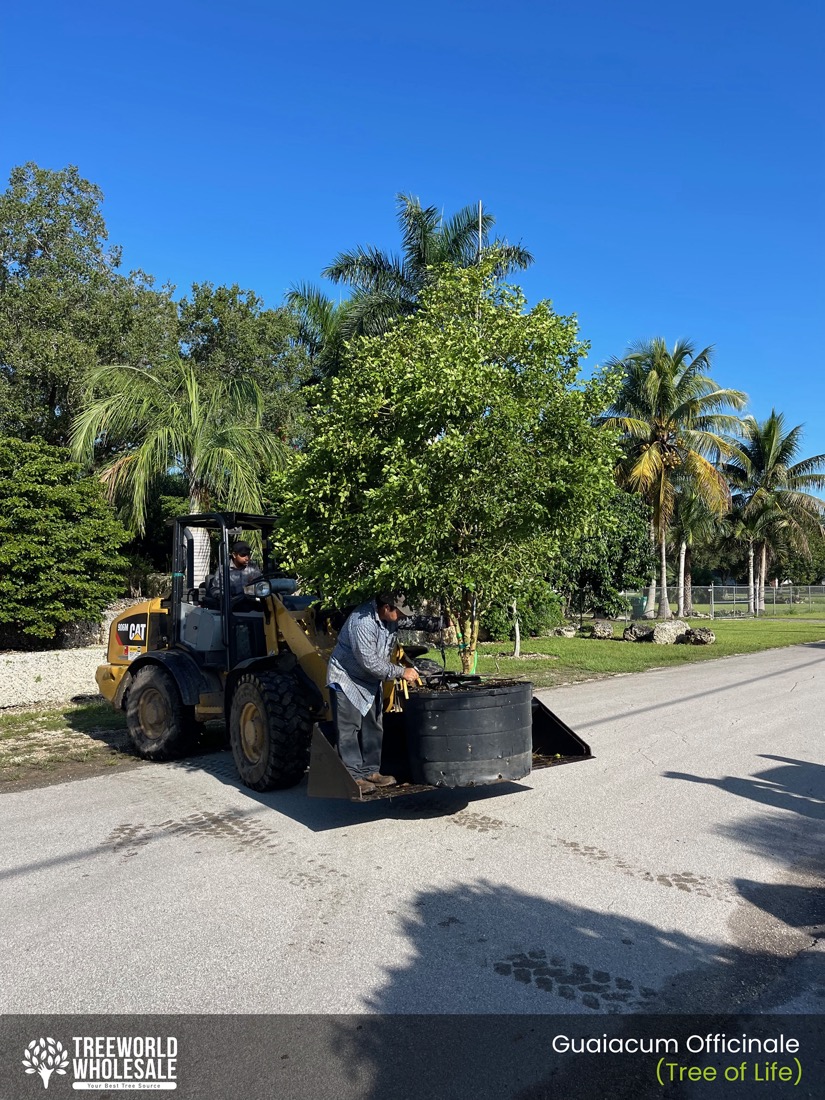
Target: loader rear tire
(160, 725)
(270, 729)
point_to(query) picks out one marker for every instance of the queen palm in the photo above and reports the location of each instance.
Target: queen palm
(168, 420)
(773, 493)
(387, 286)
(669, 412)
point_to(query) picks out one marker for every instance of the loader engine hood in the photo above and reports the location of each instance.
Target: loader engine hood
(135, 631)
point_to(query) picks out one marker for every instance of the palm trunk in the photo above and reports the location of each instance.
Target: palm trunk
(680, 606)
(650, 612)
(200, 540)
(763, 574)
(751, 599)
(516, 632)
(688, 585)
(664, 605)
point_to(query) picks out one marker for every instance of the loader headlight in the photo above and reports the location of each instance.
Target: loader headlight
(260, 589)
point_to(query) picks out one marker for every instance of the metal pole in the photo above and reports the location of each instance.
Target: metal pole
(711, 602)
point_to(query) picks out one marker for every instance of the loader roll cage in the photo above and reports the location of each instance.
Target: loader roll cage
(228, 526)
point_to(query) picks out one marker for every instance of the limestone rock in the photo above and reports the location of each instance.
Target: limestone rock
(602, 629)
(638, 632)
(667, 632)
(700, 635)
(563, 632)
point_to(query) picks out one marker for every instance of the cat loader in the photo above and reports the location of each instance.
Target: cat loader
(257, 661)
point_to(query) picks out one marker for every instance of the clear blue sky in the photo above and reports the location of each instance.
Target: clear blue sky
(664, 163)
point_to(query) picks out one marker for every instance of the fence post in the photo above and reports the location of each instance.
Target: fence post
(711, 602)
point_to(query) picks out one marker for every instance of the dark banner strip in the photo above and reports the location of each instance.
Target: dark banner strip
(412, 1057)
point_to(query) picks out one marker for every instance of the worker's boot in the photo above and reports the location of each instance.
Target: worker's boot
(364, 786)
(382, 780)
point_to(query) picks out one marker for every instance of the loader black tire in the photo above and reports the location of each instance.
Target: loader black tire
(161, 726)
(270, 730)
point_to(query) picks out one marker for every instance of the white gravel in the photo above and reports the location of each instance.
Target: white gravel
(48, 676)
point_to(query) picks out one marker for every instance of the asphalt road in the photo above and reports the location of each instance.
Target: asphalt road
(680, 870)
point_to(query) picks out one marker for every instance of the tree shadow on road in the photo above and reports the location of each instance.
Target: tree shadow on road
(547, 967)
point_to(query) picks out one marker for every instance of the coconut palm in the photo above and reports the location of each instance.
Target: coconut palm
(387, 286)
(773, 493)
(669, 412)
(169, 421)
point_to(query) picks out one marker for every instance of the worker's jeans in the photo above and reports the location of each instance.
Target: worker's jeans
(359, 736)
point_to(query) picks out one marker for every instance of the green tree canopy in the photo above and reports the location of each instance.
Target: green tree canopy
(58, 543)
(228, 333)
(458, 454)
(64, 307)
(614, 553)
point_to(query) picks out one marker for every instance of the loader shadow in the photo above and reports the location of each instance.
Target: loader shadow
(324, 814)
(547, 968)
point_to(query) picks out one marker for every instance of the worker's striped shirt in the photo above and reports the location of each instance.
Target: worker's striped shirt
(360, 661)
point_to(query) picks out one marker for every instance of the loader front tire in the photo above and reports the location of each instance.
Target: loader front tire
(270, 730)
(160, 725)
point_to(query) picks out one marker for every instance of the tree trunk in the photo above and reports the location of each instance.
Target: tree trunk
(688, 585)
(465, 622)
(200, 540)
(516, 632)
(751, 596)
(680, 605)
(763, 573)
(650, 612)
(664, 605)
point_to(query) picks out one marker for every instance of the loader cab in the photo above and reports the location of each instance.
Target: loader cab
(219, 628)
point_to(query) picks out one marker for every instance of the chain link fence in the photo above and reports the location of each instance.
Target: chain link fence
(733, 601)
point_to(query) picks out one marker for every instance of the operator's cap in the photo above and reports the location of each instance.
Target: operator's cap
(241, 548)
(391, 599)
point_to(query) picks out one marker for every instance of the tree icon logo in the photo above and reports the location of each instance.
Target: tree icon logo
(45, 1056)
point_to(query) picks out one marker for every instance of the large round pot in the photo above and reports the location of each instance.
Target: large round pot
(478, 733)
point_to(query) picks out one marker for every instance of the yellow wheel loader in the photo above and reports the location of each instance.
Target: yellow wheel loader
(257, 659)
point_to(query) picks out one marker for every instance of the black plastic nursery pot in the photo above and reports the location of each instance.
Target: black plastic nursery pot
(473, 734)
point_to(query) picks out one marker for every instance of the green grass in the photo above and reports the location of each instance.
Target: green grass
(566, 660)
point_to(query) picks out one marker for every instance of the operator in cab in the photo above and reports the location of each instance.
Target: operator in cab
(242, 572)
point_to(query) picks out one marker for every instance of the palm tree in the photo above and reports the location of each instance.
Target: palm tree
(693, 522)
(167, 421)
(749, 528)
(773, 493)
(321, 327)
(668, 411)
(387, 286)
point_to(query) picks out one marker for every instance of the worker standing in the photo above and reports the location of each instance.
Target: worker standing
(358, 667)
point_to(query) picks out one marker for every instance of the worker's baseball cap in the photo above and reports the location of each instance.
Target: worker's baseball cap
(241, 548)
(391, 599)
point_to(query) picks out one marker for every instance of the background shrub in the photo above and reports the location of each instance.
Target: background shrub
(539, 610)
(58, 544)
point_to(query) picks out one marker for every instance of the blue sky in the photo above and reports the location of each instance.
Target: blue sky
(664, 163)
